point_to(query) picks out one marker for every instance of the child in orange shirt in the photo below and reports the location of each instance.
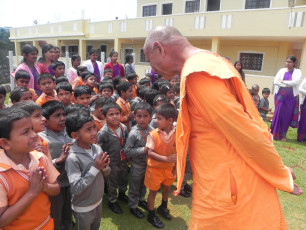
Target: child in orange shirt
(132, 78)
(97, 114)
(27, 178)
(161, 161)
(39, 124)
(22, 79)
(124, 90)
(47, 85)
(79, 81)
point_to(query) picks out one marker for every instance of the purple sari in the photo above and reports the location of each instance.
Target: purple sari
(97, 71)
(50, 70)
(302, 124)
(35, 75)
(286, 110)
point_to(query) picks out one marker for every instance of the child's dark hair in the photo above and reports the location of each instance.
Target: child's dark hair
(22, 74)
(167, 111)
(44, 76)
(50, 107)
(148, 75)
(141, 91)
(107, 79)
(27, 49)
(112, 53)
(7, 117)
(92, 51)
(61, 79)
(74, 107)
(160, 97)
(76, 120)
(106, 85)
(80, 90)
(45, 49)
(109, 106)
(107, 71)
(131, 76)
(177, 87)
(2, 90)
(17, 93)
(128, 58)
(164, 88)
(158, 83)
(29, 106)
(117, 80)
(150, 95)
(56, 64)
(266, 90)
(89, 75)
(123, 86)
(66, 86)
(80, 70)
(144, 81)
(101, 101)
(84, 74)
(75, 57)
(143, 106)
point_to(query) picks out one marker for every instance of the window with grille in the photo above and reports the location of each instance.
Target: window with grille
(142, 57)
(213, 5)
(149, 11)
(255, 4)
(192, 6)
(167, 9)
(251, 61)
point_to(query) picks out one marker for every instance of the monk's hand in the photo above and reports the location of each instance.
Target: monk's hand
(297, 190)
(171, 158)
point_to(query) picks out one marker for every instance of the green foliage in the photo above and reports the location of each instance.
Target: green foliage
(5, 46)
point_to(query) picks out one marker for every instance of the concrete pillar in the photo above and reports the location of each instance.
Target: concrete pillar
(58, 43)
(303, 59)
(82, 49)
(215, 45)
(17, 52)
(117, 46)
(36, 44)
(282, 55)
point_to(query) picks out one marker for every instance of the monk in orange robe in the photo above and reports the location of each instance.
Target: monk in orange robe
(236, 169)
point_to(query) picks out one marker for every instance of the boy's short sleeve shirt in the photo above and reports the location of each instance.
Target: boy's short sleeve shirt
(34, 156)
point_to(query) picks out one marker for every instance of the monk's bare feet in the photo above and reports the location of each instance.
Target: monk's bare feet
(297, 190)
(284, 139)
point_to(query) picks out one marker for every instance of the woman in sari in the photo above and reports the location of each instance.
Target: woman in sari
(45, 61)
(301, 137)
(286, 90)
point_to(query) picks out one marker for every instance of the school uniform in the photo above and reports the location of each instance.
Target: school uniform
(43, 98)
(14, 183)
(60, 204)
(125, 111)
(159, 172)
(134, 148)
(78, 81)
(112, 142)
(86, 185)
(98, 122)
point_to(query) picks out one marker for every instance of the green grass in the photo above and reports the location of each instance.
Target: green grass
(294, 208)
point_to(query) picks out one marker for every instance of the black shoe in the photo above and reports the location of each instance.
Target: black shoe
(115, 207)
(155, 221)
(143, 204)
(188, 188)
(184, 193)
(164, 212)
(123, 197)
(137, 212)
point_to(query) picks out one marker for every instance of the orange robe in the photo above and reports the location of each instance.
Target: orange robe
(78, 81)
(134, 91)
(236, 168)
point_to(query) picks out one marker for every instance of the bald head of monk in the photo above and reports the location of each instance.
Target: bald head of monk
(167, 50)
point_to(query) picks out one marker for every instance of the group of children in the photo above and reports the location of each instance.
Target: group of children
(76, 138)
(261, 104)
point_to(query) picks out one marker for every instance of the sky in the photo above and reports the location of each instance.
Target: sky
(19, 13)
